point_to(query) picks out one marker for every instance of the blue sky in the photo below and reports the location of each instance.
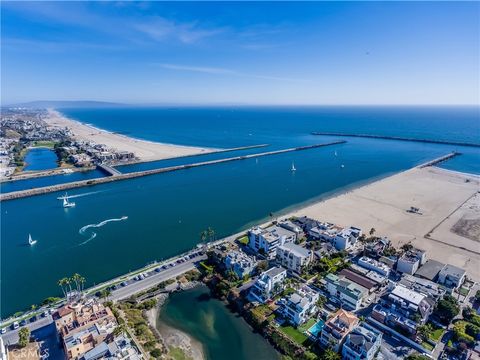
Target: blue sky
(244, 53)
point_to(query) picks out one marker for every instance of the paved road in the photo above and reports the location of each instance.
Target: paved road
(153, 279)
(11, 337)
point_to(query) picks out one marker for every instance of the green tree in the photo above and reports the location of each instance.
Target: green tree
(425, 331)
(417, 357)
(329, 354)
(156, 353)
(447, 309)
(23, 337)
(63, 283)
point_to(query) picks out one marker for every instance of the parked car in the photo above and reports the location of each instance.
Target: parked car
(45, 313)
(23, 322)
(15, 325)
(3, 330)
(158, 269)
(124, 283)
(33, 318)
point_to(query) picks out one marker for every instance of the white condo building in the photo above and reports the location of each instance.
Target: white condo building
(267, 240)
(293, 257)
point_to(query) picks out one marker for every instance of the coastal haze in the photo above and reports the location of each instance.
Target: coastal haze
(188, 131)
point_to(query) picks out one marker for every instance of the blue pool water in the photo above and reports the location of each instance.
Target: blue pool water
(316, 328)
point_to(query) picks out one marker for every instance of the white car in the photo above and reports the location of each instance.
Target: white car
(15, 325)
(3, 331)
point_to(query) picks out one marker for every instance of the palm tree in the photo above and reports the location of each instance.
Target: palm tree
(75, 278)
(81, 281)
(372, 231)
(62, 283)
(204, 236)
(211, 233)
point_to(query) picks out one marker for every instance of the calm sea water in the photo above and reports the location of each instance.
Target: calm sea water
(166, 212)
(210, 322)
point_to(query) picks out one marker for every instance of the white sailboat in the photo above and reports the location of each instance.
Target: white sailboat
(342, 166)
(293, 166)
(336, 153)
(31, 241)
(66, 203)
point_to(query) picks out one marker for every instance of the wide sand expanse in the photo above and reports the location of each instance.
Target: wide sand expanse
(442, 196)
(143, 150)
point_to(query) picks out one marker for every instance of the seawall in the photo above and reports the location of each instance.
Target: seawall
(384, 137)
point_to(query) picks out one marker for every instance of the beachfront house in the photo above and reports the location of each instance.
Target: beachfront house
(340, 238)
(336, 329)
(300, 306)
(371, 264)
(345, 292)
(293, 257)
(410, 261)
(362, 343)
(240, 263)
(403, 308)
(266, 241)
(451, 276)
(268, 284)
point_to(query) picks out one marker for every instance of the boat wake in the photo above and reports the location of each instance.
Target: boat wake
(80, 195)
(84, 231)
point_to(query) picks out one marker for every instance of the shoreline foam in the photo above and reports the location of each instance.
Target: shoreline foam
(144, 150)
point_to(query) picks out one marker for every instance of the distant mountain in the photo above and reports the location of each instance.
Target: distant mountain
(66, 104)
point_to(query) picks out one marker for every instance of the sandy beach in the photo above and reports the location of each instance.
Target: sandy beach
(444, 198)
(174, 338)
(143, 150)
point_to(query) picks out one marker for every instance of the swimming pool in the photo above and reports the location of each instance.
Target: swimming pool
(316, 328)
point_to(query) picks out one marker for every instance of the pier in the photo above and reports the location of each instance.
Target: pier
(439, 160)
(399, 138)
(124, 176)
(110, 171)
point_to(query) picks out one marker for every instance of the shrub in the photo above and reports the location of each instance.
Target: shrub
(156, 353)
(23, 337)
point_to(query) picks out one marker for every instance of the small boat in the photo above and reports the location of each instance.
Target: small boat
(342, 166)
(66, 203)
(124, 217)
(31, 241)
(293, 167)
(336, 153)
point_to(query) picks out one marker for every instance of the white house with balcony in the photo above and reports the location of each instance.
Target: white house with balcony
(300, 306)
(362, 343)
(268, 284)
(372, 264)
(267, 240)
(240, 263)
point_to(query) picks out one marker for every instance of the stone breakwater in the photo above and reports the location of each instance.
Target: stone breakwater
(77, 184)
(384, 137)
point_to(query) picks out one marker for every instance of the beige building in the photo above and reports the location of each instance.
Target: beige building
(337, 328)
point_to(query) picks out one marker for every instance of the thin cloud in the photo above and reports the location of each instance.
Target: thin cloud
(224, 71)
(200, 69)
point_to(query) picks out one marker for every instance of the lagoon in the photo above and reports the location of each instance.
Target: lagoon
(40, 158)
(210, 322)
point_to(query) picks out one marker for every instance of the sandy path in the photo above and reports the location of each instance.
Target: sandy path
(143, 150)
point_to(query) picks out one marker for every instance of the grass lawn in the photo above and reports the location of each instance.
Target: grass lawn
(243, 240)
(177, 354)
(427, 346)
(437, 334)
(463, 291)
(47, 144)
(294, 334)
(307, 325)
